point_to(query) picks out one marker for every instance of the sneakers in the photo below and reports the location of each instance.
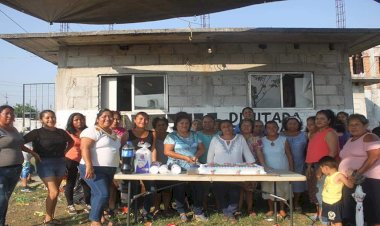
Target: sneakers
(26, 189)
(183, 217)
(71, 210)
(201, 218)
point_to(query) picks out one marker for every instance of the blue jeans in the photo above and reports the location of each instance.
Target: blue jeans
(100, 186)
(196, 190)
(9, 176)
(228, 195)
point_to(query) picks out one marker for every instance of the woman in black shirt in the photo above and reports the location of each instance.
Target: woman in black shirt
(51, 144)
(139, 135)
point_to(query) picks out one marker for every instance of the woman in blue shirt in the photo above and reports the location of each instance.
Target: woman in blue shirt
(183, 147)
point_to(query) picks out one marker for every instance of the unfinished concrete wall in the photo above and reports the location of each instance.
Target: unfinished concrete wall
(367, 99)
(200, 81)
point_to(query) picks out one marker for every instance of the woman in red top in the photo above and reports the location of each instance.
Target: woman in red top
(76, 123)
(324, 142)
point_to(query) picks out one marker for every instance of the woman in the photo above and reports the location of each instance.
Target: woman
(51, 145)
(138, 136)
(258, 129)
(11, 158)
(342, 117)
(122, 135)
(361, 157)
(228, 148)
(277, 155)
(183, 147)
(341, 126)
(160, 126)
(196, 125)
(76, 123)
(205, 135)
(246, 113)
(310, 127)
(323, 142)
(297, 140)
(100, 148)
(254, 143)
(116, 124)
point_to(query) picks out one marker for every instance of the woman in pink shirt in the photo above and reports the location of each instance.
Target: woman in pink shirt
(361, 157)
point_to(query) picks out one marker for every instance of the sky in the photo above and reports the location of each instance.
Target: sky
(18, 67)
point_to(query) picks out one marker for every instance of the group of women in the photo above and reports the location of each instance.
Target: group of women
(95, 151)
(358, 159)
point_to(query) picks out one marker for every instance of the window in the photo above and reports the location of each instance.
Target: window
(134, 92)
(357, 64)
(281, 90)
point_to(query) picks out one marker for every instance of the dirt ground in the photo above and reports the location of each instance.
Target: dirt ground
(27, 209)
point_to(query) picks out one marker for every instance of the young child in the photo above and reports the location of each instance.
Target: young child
(332, 190)
(27, 170)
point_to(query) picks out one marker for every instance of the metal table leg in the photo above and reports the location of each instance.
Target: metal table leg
(275, 201)
(129, 204)
(291, 203)
(135, 209)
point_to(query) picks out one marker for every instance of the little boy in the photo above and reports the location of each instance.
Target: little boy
(27, 170)
(332, 190)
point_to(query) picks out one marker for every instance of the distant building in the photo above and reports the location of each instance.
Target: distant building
(365, 70)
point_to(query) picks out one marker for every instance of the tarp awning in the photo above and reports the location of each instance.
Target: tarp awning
(122, 11)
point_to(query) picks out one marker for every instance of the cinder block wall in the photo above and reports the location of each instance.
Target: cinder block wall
(200, 81)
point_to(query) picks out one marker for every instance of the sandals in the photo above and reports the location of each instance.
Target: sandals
(252, 214)
(52, 222)
(269, 213)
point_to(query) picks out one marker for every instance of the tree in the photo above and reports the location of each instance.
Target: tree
(262, 85)
(30, 111)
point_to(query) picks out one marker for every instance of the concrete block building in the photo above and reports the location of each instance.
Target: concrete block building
(365, 70)
(277, 71)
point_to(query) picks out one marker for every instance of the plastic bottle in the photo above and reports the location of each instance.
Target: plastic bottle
(127, 154)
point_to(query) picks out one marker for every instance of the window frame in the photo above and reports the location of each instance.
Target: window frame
(281, 74)
(133, 80)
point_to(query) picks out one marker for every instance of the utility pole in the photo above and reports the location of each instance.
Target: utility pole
(6, 98)
(340, 14)
(64, 27)
(205, 21)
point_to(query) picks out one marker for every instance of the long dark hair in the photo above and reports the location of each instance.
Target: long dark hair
(330, 115)
(69, 125)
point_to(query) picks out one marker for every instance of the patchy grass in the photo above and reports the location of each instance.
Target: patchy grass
(29, 208)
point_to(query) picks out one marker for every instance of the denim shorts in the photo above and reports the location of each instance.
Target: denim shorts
(27, 169)
(51, 167)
